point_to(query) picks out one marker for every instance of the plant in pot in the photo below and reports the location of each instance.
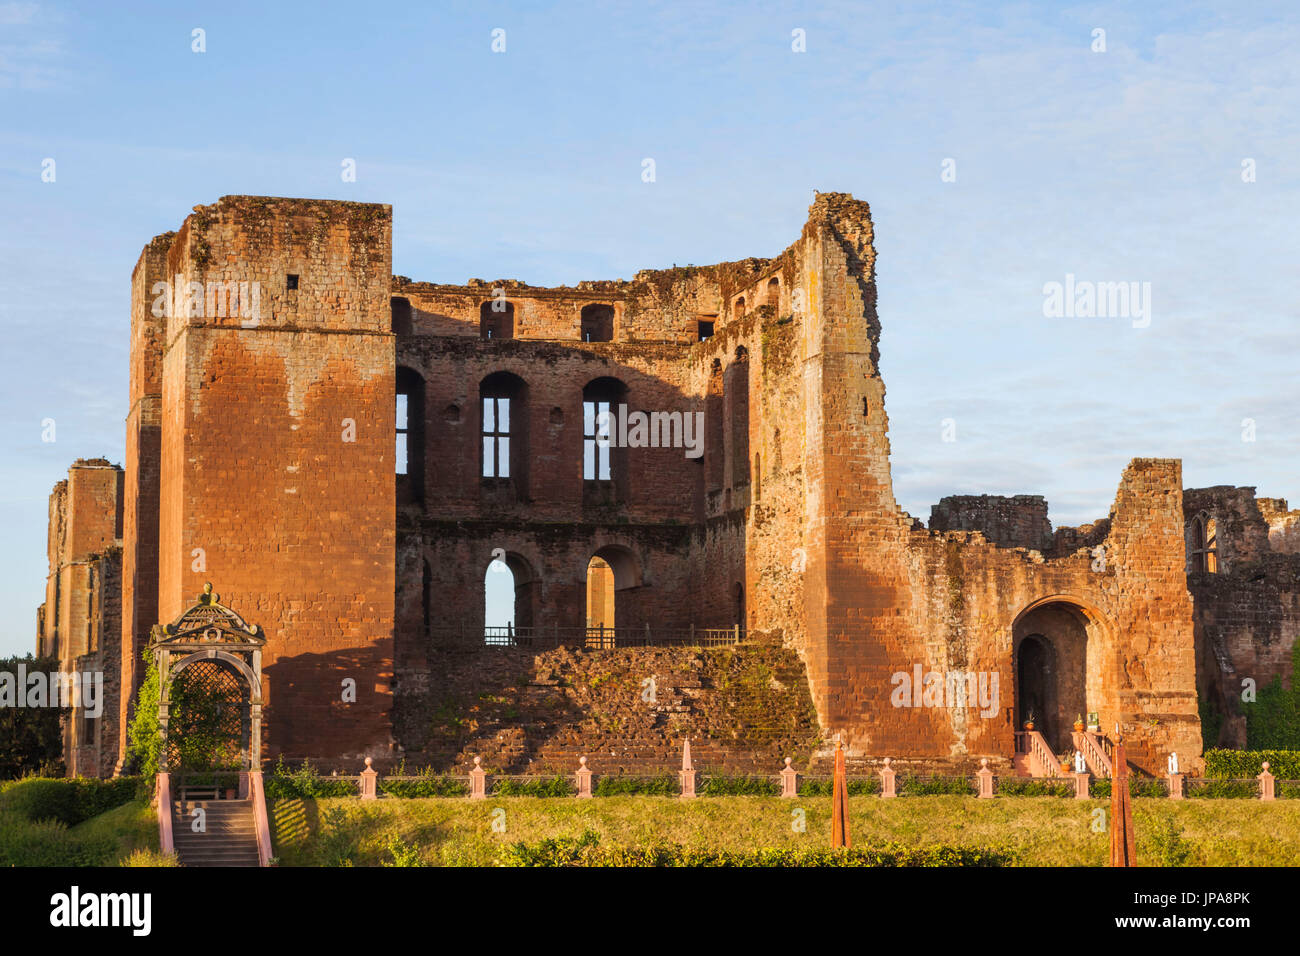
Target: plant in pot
(1078, 724)
(1029, 721)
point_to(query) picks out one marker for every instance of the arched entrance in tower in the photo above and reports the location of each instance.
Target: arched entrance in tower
(1058, 669)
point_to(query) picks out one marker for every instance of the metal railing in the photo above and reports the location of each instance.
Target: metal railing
(545, 637)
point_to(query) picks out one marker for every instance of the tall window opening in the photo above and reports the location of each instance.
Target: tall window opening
(738, 309)
(503, 417)
(1204, 544)
(401, 309)
(597, 323)
(602, 460)
(410, 436)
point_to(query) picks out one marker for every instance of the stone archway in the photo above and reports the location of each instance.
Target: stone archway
(210, 681)
(1057, 661)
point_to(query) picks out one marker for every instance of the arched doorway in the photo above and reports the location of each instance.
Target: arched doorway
(1058, 669)
(508, 585)
(611, 573)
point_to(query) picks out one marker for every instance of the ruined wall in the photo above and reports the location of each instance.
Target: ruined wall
(1248, 612)
(1016, 522)
(628, 710)
(142, 476)
(81, 619)
(277, 457)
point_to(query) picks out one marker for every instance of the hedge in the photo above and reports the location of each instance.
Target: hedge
(1137, 787)
(67, 801)
(587, 851)
(1227, 764)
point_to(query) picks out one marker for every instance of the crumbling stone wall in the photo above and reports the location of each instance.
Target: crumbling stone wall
(80, 621)
(1016, 522)
(745, 709)
(1247, 614)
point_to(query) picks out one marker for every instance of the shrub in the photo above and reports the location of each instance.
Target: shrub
(1137, 787)
(150, 858)
(426, 784)
(664, 785)
(68, 801)
(306, 782)
(1224, 789)
(857, 787)
(741, 786)
(403, 853)
(1167, 841)
(1021, 787)
(557, 786)
(1226, 764)
(914, 786)
(585, 850)
(1273, 718)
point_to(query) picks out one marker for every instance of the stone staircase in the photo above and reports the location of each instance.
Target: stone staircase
(229, 837)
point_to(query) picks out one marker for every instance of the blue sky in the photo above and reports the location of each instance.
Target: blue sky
(1123, 165)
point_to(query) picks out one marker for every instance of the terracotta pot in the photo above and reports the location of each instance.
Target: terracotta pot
(1029, 725)
(1078, 726)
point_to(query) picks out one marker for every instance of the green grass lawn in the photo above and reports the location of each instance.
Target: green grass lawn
(1040, 831)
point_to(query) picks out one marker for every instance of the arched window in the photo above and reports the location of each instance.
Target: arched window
(598, 323)
(503, 409)
(410, 436)
(773, 293)
(738, 309)
(604, 400)
(496, 319)
(1203, 544)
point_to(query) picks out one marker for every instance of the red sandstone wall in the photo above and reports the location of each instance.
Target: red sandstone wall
(294, 521)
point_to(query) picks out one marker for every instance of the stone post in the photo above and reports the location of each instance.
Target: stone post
(583, 778)
(887, 776)
(1081, 781)
(789, 780)
(1266, 784)
(985, 776)
(687, 773)
(369, 786)
(478, 781)
(1175, 781)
